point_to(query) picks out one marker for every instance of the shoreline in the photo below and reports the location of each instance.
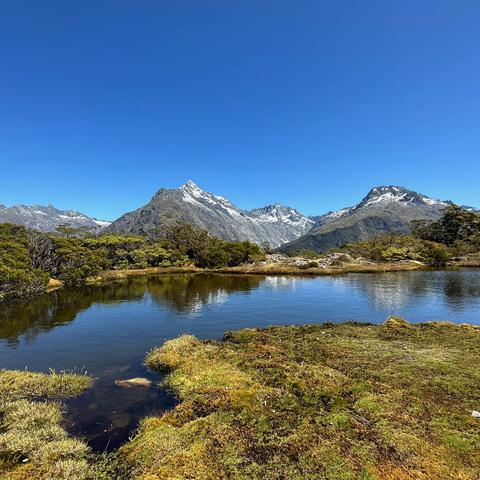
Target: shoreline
(264, 388)
(270, 269)
(250, 389)
(276, 269)
(107, 276)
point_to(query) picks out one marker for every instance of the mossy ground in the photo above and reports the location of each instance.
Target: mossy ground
(33, 444)
(339, 402)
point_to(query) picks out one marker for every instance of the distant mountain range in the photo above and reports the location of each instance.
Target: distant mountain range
(47, 219)
(275, 224)
(384, 209)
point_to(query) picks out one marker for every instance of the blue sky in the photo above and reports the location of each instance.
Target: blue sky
(307, 103)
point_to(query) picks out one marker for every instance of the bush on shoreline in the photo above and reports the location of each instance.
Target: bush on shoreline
(396, 247)
(458, 228)
(18, 275)
(29, 258)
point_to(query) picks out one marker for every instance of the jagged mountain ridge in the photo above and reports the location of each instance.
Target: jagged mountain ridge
(384, 209)
(275, 224)
(48, 218)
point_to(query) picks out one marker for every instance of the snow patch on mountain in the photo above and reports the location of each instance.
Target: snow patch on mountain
(338, 213)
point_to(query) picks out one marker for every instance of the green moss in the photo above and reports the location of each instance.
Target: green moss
(347, 401)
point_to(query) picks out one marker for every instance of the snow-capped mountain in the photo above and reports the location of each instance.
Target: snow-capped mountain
(47, 219)
(390, 194)
(384, 209)
(275, 224)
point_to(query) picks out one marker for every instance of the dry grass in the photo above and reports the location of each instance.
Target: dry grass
(338, 402)
(112, 275)
(54, 284)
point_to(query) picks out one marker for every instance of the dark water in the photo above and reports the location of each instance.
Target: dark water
(107, 330)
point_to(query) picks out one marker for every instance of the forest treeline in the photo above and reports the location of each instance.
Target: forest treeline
(28, 258)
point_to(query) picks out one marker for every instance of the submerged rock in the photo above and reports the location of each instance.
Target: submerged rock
(134, 382)
(121, 420)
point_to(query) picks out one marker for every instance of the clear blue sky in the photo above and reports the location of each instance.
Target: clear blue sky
(307, 103)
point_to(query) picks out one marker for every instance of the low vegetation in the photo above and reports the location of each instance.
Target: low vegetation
(396, 247)
(458, 228)
(33, 444)
(434, 243)
(332, 401)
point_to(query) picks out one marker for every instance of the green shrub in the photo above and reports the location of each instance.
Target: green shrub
(18, 275)
(210, 252)
(394, 254)
(69, 260)
(458, 228)
(396, 247)
(29, 258)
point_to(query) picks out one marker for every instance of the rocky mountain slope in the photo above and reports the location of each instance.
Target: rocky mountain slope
(384, 209)
(275, 224)
(47, 219)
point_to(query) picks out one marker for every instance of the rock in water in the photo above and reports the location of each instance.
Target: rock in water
(134, 382)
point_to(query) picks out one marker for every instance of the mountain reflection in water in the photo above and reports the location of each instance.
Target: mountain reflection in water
(180, 293)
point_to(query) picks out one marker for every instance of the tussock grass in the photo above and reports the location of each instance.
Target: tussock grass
(338, 402)
(33, 444)
(24, 384)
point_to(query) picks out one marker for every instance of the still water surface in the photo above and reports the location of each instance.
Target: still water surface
(106, 330)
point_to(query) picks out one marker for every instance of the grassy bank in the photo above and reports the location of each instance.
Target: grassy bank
(113, 275)
(340, 402)
(279, 269)
(467, 261)
(33, 444)
(256, 269)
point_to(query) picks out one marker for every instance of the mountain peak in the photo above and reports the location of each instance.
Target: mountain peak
(385, 194)
(390, 190)
(276, 224)
(190, 185)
